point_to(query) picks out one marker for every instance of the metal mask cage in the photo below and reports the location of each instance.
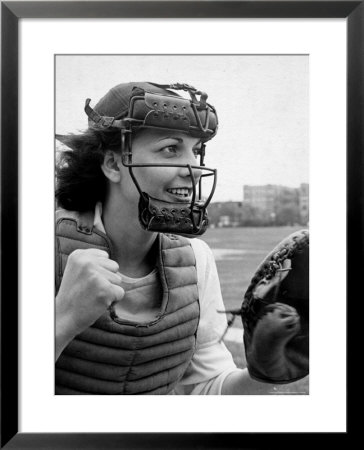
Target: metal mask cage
(126, 159)
(166, 112)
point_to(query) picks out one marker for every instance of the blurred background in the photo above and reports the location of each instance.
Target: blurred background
(261, 150)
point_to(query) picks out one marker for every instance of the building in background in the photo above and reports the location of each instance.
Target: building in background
(263, 198)
(278, 205)
(266, 205)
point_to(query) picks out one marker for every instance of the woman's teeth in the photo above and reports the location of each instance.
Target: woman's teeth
(179, 191)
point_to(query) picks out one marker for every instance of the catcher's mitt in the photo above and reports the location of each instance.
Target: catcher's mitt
(275, 313)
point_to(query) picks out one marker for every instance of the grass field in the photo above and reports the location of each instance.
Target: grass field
(238, 252)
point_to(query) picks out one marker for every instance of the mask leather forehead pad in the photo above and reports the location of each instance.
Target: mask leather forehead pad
(167, 112)
(175, 113)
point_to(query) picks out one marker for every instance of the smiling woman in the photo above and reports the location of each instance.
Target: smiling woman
(174, 184)
(137, 298)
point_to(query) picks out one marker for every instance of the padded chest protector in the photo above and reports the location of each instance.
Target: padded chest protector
(116, 356)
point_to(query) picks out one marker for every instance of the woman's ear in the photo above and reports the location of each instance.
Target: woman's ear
(111, 166)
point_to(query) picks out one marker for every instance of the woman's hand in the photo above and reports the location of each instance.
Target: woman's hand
(90, 284)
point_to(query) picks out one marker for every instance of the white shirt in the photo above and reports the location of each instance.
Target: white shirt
(212, 361)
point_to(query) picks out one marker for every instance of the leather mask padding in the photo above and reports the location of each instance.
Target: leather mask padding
(166, 217)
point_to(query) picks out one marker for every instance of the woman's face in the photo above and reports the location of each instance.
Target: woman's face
(172, 184)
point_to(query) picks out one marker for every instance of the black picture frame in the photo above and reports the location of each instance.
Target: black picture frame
(11, 12)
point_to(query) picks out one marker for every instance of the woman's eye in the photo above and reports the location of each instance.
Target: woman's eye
(171, 150)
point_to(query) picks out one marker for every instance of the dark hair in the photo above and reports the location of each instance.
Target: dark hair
(80, 182)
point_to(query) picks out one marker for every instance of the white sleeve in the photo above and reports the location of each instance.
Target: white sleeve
(212, 361)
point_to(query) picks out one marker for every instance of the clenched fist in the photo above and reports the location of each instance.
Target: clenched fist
(90, 284)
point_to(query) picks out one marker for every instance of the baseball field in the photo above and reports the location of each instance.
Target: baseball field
(238, 252)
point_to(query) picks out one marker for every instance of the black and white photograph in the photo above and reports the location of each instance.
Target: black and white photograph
(181, 202)
(182, 224)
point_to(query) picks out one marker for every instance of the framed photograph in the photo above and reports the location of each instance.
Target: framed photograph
(287, 81)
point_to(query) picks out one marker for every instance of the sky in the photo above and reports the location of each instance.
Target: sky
(262, 103)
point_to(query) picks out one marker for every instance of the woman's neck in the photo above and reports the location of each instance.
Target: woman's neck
(135, 249)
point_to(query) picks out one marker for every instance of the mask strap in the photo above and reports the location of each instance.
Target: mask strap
(102, 121)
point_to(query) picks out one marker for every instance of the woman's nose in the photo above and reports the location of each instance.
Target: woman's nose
(189, 171)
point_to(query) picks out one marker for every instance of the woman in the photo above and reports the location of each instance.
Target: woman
(136, 306)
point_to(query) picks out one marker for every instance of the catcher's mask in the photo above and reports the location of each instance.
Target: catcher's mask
(133, 106)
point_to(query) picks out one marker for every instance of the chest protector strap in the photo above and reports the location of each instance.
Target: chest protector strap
(116, 356)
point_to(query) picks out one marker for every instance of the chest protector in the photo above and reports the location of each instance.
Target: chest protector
(116, 356)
